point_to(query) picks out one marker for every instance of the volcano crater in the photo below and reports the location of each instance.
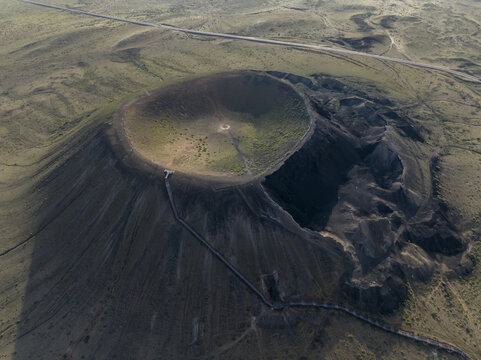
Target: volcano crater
(233, 126)
(322, 157)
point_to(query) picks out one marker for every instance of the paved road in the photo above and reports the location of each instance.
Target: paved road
(265, 41)
(304, 304)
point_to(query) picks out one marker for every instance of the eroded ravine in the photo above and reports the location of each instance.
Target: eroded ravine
(304, 304)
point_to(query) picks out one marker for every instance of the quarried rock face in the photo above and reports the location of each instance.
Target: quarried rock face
(377, 297)
(353, 179)
(435, 233)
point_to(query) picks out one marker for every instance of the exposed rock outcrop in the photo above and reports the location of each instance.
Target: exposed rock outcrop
(349, 179)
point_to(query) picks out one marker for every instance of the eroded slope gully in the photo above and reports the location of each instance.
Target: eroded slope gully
(359, 182)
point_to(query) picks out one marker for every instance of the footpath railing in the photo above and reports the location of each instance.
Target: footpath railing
(303, 304)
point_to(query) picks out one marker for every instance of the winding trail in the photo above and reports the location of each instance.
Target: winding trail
(230, 266)
(264, 41)
(304, 304)
(209, 246)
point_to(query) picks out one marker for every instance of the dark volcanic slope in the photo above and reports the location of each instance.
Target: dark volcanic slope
(351, 179)
(113, 275)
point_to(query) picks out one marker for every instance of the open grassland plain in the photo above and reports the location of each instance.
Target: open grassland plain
(63, 76)
(441, 33)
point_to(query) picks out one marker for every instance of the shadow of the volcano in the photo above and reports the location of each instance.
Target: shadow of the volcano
(113, 275)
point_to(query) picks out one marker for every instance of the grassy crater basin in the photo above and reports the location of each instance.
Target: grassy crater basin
(236, 125)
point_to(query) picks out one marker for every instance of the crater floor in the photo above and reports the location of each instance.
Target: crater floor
(233, 125)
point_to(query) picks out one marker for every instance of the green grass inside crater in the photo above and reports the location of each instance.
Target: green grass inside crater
(182, 127)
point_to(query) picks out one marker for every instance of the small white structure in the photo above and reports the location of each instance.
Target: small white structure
(168, 172)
